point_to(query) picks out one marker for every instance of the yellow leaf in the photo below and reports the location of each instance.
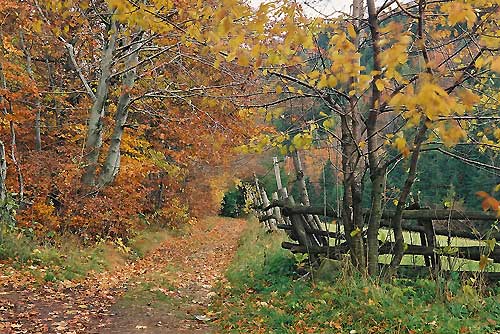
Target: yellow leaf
(468, 98)
(329, 124)
(314, 74)
(400, 144)
(351, 31)
(495, 64)
(483, 262)
(243, 60)
(362, 145)
(491, 244)
(479, 62)
(460, 12)
(37, 26)
(323, 82)
(224, 26)
(355, 232)
(380, 84)
(332, 81)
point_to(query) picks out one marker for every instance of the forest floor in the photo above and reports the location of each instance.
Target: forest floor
(167, 291)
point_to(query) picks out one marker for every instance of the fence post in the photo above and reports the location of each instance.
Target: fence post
(282, 192)
(271, 223)
(430, 237)
(277, 211)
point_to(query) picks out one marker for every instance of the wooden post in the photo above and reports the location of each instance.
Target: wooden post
(277, 211)
(311, 221)
(258, 195)
(423, 242)
(298, 225)
(430, 237)
(270, 223)
(282, 192)
(299, 171)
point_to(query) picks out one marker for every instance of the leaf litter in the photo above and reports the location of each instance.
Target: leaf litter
(183, 270)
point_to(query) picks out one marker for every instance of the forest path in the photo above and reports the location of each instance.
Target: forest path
(162, 293)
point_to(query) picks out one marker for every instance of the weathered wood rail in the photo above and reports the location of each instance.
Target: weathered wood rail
(311, 234)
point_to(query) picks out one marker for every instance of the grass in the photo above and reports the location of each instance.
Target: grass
(151, 291)
(265, 295)
(68, 259)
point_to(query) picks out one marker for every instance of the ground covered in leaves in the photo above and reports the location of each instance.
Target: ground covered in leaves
(266, 294)
(167, 291)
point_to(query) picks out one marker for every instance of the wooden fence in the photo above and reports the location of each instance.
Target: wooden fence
(312, 235)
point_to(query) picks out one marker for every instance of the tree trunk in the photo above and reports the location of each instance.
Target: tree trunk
(29, 69)
(3, 173)
(13, 152)
(93, 142)
(3, 85)
(352, 212)
(377, 172)
(375, 215)
(405, 191)
(417, 144)
(111, 166)
(352, 216)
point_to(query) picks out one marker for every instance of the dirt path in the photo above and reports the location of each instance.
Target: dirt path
(162, 293)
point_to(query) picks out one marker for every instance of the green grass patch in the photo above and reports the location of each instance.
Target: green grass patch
(152, 290)
(264, 295)
(67, 258)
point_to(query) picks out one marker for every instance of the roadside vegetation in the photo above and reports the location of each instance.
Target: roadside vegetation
(66, 257)
(265, 294)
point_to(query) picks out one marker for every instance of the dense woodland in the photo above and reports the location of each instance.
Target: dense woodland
(114, 114)
(123, 119)
(119, 113)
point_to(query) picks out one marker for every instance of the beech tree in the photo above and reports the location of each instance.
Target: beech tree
(117, 110)
(389, 81)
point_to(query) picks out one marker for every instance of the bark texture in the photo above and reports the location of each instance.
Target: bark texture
(3, 172)
(93, 143)
(111, 165)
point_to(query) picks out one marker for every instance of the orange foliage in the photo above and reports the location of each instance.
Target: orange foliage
(172, 148)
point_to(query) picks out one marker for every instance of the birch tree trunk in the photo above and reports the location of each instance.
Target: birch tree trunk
(3, 85)
(3, 173)
(29, 69)
(13, 153)
(93, 143)
(112, 163)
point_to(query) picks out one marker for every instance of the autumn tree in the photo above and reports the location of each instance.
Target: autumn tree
(117, 109)
(389, 81)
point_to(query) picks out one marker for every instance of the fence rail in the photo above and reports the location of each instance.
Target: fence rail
(303, 225)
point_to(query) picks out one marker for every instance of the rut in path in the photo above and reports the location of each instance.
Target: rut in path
(161, 293)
